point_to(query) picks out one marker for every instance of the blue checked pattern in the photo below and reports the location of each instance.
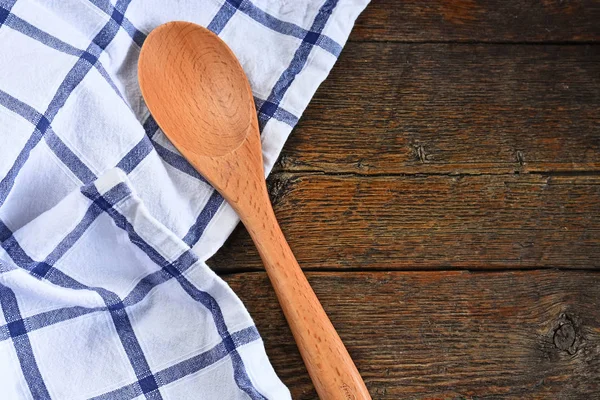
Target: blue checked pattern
(104, 227)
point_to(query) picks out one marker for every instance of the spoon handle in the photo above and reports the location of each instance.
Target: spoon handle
(330, 366)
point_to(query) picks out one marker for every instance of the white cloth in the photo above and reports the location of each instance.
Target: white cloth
(104, 227)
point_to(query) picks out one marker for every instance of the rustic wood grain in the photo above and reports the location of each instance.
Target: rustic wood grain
(486, 21)
(449, 335)
(408, 222)
(391, 108)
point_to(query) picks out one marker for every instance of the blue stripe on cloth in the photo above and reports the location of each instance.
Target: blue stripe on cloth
(146, 284)
(223, 16)
(135, 155)
(274, 111)
(177, 161)
(141, 149)
(51, 317)
(70, 159)
(5, 232)
(110, 81)
(58, 278)
(200, 361)
(197, 229)
(35, 33)
(6, 267)
(189, 366)
(204, 298)
(8, 181)
(138, 36)
(71, 81)
(150, 281)
(7, 5)
(22, 260)
(144, 147)
(84, 64)
(18, 333)
(298, 61)
(131, 345)
(17, 254)
(288, 28)
(22, 109)
(150, 126)
(3, 15)
(107, 7)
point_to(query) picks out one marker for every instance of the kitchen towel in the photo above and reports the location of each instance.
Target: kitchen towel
(104, 227)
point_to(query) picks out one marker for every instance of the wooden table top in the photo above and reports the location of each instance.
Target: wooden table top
(442, 191)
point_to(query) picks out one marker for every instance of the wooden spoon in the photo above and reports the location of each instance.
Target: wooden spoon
(200, 97)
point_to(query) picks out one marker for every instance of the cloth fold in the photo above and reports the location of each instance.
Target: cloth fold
(104, 227)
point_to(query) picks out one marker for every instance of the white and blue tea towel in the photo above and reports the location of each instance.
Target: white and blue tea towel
(104, 228)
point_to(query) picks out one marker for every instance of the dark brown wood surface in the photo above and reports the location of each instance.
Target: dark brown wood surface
(393, 108)
(449, 335)
(504, 21)
(443, 191)
(433, 221)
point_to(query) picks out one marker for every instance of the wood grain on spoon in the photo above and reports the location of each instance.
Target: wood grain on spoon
(199, 95)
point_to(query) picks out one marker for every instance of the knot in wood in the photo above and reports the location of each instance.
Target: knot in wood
(564, 337)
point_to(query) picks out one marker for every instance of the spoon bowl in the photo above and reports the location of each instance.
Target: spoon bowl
(200, 97)
(212, 109)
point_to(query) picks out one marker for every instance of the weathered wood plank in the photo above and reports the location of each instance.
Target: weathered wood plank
(487, 21)
(438, 108)
(408, 222)
(449, 335)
